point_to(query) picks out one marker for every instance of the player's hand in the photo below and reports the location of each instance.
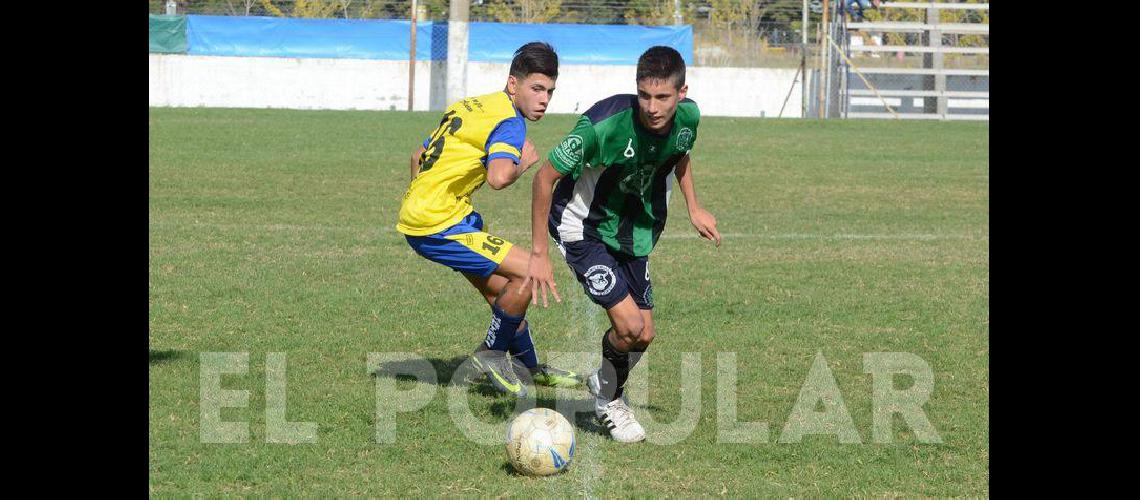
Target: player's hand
(529, 155)
(540, 275)
(705, 224)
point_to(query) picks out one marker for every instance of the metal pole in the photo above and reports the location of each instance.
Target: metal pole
(676, 12)
(844, 58)
(412, 61)
(803, 62)
(933, 17)
(823, 60)
(171, 8)
(789, 96)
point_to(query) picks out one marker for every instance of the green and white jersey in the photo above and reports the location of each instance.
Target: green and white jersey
(619, 175)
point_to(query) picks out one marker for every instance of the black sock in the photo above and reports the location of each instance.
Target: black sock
(615, 369)
(634, 355)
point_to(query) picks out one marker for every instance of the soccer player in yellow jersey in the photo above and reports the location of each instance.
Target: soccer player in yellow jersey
(483, 139)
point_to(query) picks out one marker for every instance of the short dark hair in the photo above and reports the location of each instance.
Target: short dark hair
(535, 57)
(662, 63)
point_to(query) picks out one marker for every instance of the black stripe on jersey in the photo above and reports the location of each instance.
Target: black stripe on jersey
(563, 192)
(607, 183)
(610, 106)
(633, 209)
(660, 204)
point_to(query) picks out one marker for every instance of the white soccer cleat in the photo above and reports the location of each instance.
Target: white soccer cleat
(618, 418)
(615, 415)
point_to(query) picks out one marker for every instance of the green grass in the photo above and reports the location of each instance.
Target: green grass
(272, 231)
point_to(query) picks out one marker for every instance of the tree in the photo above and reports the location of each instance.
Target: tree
(304, 8)
(240, 7)
(524, 11)
(591, 12)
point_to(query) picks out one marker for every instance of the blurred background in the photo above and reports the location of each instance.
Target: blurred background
(747, 58)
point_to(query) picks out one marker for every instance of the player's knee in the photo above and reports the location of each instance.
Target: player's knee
(630, 332)
(647, 335)
(511, 274)
(489, 296)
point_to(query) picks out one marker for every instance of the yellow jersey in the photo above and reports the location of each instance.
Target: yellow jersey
(473, 132)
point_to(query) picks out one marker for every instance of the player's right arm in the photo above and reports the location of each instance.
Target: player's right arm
(568, 158)
(539, 269)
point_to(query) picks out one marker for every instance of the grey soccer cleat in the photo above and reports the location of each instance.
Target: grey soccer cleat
(500, 370)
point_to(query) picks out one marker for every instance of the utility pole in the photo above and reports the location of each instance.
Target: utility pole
(803, 62)
(457, 37)
(412, 61)
(824, 60)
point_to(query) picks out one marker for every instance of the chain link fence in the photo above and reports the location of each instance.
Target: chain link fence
(726, 33)
(866, 65)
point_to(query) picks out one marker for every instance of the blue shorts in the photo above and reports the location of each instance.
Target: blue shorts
(463, 247)
(608, 278)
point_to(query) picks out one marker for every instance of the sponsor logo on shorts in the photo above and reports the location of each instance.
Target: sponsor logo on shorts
(600, 280)
(647, 297)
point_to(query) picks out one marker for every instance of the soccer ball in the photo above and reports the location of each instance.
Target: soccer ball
(540, 442)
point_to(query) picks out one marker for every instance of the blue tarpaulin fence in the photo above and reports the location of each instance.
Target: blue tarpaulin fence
(252, 36)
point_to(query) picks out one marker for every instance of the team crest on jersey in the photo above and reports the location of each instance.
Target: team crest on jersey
(570, 151)
(685, 139)
(637, 181)
(600, 280)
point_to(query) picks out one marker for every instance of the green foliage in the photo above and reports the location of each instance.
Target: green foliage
(302, 8)
(524, 11)
(944, 16)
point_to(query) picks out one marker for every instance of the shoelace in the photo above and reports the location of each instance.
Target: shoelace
(506, 369)
(621, 414)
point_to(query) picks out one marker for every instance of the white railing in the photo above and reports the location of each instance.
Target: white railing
(937, 5)
(919, 49)
(934, 61)
(905, 27)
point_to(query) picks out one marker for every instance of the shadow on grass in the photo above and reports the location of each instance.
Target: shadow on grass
(164, 356)
(579, 410)
(509, 470)
(412, 369)
(458, 369)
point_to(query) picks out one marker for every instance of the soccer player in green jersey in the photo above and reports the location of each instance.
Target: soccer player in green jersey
(614, 174)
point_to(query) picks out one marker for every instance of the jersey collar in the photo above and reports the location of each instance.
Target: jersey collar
(518, 114)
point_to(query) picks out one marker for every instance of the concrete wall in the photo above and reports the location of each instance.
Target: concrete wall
(268, 82)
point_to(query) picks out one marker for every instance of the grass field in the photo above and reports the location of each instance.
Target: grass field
(271, 231)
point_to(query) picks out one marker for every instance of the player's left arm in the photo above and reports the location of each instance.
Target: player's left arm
(416, 161)
(702, 220)
(509, 153)
(504, 171)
